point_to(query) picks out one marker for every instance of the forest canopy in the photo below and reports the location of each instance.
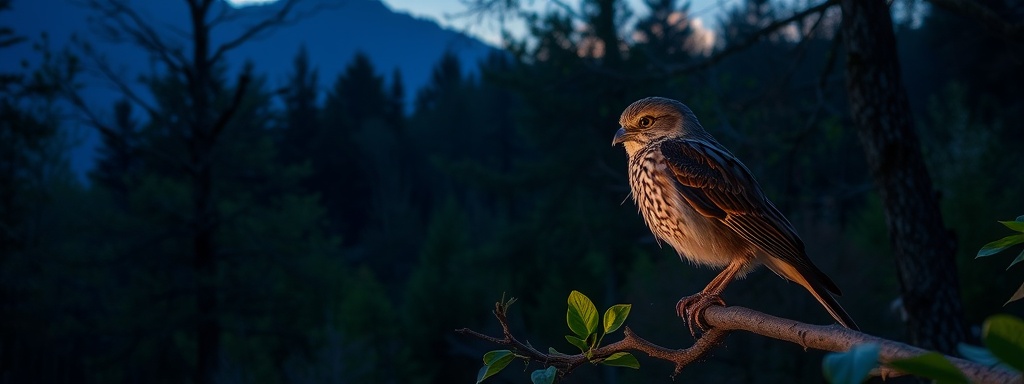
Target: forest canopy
(325, 231)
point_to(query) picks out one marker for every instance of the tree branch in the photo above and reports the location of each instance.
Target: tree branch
(835, 338)
(67, 88)
(631, 342)
(751, 40)
(120, 18)
(663, 71)
(254, 30)
(285, 15)
(727, 319)
(243, 85)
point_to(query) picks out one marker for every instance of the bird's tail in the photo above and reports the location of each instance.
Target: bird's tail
(816, 288)
(831, 305)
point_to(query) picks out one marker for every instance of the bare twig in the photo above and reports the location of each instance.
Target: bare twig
(678, 70)
(751, 40)
(278, 18)
(243, 85)
(113, 76)
(285, 15)
(117, 16)
(727, 319)
(503, 8)
(92, 118)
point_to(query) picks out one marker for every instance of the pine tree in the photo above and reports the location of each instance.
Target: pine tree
(302, 110)
(665, 35)
(445, 79)
(209, 209)
(395, 112)
(118, 156)
(34, 176)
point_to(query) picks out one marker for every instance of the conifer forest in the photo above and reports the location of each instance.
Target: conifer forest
(240, 228)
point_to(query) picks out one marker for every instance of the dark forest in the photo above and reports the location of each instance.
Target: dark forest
(324, 231)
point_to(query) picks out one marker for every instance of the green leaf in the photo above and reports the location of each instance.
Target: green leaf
(615, 316)
(578, 342)
(931, 365)
(544, 376)
(1001, 244)
(980, 355)
(621, 359)
(1014, 225)
(1016, 295)
(554, 352)
(582, 315)
(850, 367)
(1004, 336)
(1019, 258)
(494, 362)
(492, 356)
(483, 374)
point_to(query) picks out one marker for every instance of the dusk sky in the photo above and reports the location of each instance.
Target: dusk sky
(445, 12)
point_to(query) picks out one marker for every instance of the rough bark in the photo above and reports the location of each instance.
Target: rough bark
(724, 320)
(922, 246)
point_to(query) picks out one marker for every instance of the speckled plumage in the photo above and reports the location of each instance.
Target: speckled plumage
(700, 199)
(671, 219)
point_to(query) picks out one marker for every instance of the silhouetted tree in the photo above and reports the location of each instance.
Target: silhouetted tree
(118, 155)
(665, 35)
(396, 101)
(445, 79)
(922, 246)
(302, 110)
(33, 173)
(192, 64)
(339, 163)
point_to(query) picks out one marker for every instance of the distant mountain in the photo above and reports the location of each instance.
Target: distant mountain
(332, 36)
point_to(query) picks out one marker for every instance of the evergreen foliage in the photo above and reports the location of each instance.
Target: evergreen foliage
(354, 233)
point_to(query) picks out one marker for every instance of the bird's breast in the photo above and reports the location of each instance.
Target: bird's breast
(668, 215)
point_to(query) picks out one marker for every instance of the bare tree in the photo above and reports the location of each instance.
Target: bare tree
(191, 56)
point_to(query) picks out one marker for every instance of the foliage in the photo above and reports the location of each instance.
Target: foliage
(1007, 242)
(850, 367)
(582, 319)
(352, 234)
(1003, 336)
(931, 365)
(34, 175)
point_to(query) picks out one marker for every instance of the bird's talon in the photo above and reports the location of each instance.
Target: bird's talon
(691, 309)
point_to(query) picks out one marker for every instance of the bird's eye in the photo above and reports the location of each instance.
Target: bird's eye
(646, 122)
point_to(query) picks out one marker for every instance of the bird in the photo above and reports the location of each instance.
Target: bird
(697, 197)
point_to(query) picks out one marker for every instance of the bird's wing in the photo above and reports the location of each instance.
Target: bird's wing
(718, 186)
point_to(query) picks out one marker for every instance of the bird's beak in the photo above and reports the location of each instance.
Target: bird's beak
(620, 137)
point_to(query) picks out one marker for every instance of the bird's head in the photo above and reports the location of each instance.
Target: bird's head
(654, 119)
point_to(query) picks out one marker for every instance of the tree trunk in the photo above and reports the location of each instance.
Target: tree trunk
(201, 140)
(923, 248)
